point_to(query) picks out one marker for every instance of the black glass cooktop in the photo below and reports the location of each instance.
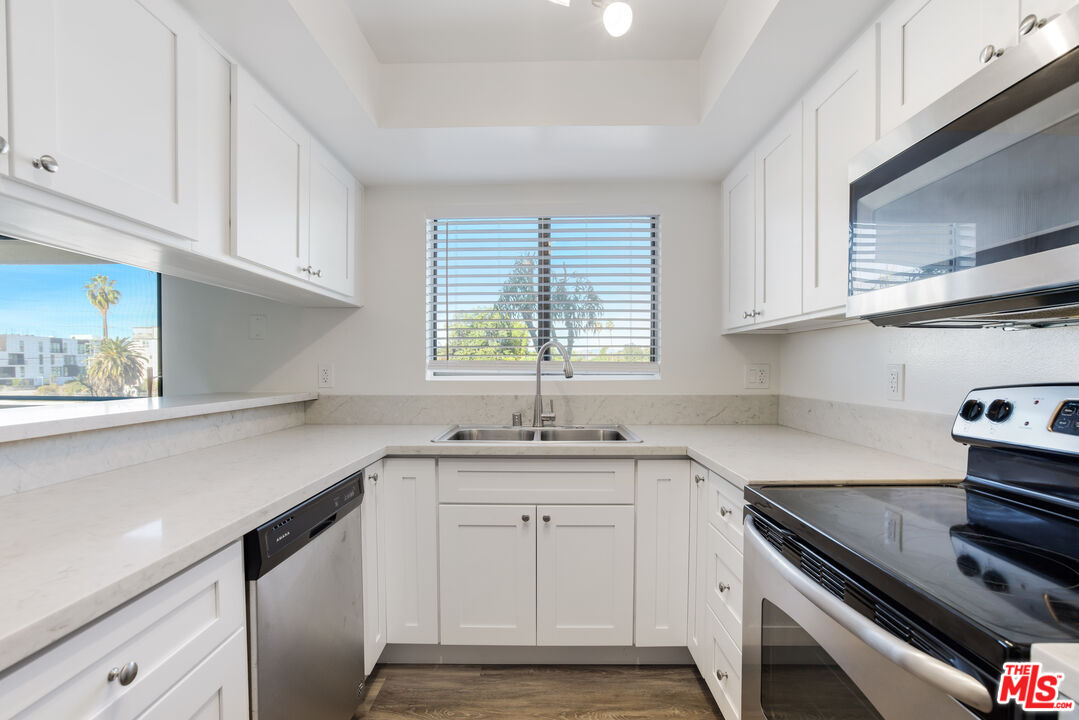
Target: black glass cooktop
(991, 574)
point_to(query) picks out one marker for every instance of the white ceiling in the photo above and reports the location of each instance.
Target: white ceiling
(431, 31)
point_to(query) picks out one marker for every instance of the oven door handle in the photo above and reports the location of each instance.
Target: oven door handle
(941, 675)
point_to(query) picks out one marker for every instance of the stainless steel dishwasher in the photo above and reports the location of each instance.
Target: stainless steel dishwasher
(305, 608)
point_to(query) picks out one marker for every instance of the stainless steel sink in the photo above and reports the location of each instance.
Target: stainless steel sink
(501, 434)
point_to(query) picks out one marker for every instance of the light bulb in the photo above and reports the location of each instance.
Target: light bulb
(617, 18)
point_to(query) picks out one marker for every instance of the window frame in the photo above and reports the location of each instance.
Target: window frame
(516, 370)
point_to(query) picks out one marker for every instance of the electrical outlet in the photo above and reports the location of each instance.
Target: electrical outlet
(758, 376)
(325, 375)
(896, 381)
(256, 329)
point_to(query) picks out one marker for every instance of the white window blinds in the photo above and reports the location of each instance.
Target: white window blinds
(499, 288)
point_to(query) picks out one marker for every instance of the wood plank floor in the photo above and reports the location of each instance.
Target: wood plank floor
(526, 692)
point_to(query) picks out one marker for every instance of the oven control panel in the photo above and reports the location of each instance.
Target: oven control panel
(1040, 417)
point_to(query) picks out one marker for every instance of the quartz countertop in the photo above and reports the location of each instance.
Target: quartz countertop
(74, 551)
(57, 417)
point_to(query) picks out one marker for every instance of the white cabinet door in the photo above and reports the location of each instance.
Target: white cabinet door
(215, 690)
(373, 513)
(584, 575)
(108, 90)
(270, 185)
(411, 551)
(487, 563)
(840, 121)
(930, 46)
(779, 220)
(333, 222)
(697, 631)
(739, 245)
(1044, 9)
(663, 523)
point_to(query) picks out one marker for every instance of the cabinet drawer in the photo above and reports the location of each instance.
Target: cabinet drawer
(536, 482)
(167, 632)
(725, 676)
(725, 508)
(215, 690)
(724, 578)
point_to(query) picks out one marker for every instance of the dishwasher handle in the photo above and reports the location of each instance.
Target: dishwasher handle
(940, 675)
(318, 529)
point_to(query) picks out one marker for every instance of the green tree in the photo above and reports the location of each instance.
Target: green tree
(487, 333)
(102, 294)
(116, 365)
(626, 353)
(574, 307)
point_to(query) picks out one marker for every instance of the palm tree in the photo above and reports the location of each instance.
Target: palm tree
(114, 366)
(102, 294)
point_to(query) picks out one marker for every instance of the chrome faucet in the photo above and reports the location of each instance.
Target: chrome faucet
(540, 418)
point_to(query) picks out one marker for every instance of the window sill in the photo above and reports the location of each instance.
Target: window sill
(548, 378)
(37, 421)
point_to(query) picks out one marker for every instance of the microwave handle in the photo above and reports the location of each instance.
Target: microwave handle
(939, 674)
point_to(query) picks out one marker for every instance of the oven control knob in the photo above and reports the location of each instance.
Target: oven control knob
(972, 410)
(999, 410)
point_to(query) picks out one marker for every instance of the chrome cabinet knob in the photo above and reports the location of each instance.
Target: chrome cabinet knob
(317, 273)
(698, 479)
(526, 518)
(757, 313)
(746, 315)
(989, 52)
(721, 675)
(546, 518)
(1031, 23)
(46, 162)
(4, 146)
(374, 477)
(126, 674)
(724, 511)
(724, 587)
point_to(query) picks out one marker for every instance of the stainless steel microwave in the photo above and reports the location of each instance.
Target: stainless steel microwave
(968, 214)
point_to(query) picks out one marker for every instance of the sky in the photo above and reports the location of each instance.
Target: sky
(50, 300)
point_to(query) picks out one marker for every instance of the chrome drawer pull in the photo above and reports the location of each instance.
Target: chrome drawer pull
(126, 674)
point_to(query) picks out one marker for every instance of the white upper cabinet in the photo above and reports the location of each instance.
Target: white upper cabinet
(779, 220)
(1043, 10)
(271, 191)
(840, 120)
(739, 246)
(5, 127)
(104, 105)
(333, 222)
(930, 46)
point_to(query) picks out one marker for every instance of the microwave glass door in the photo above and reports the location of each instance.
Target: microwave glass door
(799, 679)
(1001, 182)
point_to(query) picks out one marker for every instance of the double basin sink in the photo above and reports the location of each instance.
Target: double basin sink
(501, 434)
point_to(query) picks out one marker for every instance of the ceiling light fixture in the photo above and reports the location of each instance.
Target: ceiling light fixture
(617, 16)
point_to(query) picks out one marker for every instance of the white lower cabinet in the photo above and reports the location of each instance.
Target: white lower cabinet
(373, 514)
(215, 690)
(182, 645)
(584, 575)
(715, 625)
(526, 574)
(663, 545)
(487, 559)
(411, 495)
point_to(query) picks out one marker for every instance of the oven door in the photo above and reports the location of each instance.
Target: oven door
(806, 654)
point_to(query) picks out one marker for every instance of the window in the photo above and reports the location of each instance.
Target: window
(499, 288)
(94, 324)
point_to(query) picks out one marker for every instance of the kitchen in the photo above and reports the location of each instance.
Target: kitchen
(668, 268)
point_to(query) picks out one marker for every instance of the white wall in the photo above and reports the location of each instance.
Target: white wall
(379, 349)
(849, 364)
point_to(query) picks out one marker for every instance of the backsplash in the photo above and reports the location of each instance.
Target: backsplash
(569, 409)
(30, 464)
(922, 435)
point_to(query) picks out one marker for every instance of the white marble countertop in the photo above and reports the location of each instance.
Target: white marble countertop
(59, 417)
(71, 552)
(1060, 658)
